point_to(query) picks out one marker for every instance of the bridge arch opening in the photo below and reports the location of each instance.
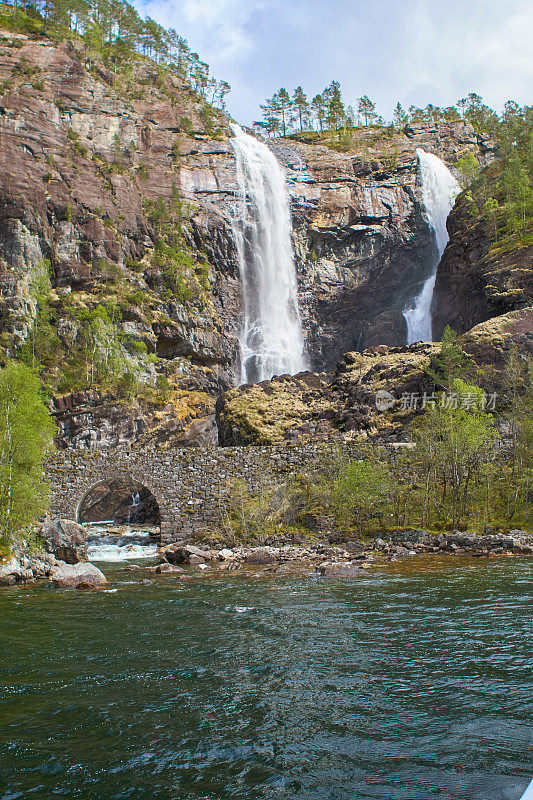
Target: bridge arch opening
(119, 501)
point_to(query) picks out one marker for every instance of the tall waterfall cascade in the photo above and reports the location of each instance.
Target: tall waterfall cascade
(271, 339)
(439, 190)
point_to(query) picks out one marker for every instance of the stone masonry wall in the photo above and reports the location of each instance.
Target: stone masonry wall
(190, 485)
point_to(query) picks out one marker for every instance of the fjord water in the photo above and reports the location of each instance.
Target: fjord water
(414, 683)
(271, 340)
(439, 190)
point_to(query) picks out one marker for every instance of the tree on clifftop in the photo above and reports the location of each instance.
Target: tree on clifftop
(400, 116)
(26, 438)
(301, 106)
(367, 108)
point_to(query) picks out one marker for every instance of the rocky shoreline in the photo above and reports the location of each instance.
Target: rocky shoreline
(349, 559)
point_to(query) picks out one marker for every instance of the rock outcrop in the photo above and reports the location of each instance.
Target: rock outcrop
(366, 396)
(373, 394)
(490, 345)
(478, 277)
(66, 540)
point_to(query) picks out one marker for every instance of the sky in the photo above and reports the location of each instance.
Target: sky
(413, 51)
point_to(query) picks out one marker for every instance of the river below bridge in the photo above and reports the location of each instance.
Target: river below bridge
(414, 683)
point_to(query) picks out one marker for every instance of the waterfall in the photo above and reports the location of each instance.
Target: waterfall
(439, 190)
(271, 340)
(135, 500)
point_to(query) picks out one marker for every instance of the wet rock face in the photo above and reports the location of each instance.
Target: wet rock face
(362, 242)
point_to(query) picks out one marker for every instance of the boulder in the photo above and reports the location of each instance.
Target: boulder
(185, 554)
(168, 569)
(77, 576)
(262, 555)
(12, 571)
(341, 570)
(66, 540)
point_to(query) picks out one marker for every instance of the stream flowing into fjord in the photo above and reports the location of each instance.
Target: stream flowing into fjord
(411, 684)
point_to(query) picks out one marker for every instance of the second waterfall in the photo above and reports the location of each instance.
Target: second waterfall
(271, 340)
(439, 190)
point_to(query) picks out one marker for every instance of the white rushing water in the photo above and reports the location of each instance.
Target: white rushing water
(439, 190)
(129, 544)
(271, 341)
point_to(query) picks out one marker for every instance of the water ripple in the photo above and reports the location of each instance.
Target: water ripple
(412, 685)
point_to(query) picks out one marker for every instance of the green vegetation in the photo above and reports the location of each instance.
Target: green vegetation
(464, 468)
(42, 347)
(26, 437)
(119, 35)
(284, 114)
(503, 192)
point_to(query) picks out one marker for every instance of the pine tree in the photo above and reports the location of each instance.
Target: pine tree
(301, 104)
(336, 115)
(462, 105)
(400, 116)
(272, 114)
(367, 108)
(318, 105)
(284, 104)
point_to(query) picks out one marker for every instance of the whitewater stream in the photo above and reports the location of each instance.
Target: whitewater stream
(127, 543)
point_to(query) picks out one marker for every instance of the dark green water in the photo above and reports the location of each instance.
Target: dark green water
(416, 683)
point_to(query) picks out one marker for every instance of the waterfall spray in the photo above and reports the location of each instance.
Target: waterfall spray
(271, 340)
(439, 190)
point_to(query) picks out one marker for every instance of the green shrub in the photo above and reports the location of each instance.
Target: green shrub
(142, 172)
(186, 126)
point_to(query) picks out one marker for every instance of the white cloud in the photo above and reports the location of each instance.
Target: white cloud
(481, 46)
(216, 28)
(417, 51)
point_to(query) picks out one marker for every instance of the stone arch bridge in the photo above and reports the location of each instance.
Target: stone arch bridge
(190, 485)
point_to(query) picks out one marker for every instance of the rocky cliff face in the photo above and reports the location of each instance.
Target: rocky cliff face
(478, 278)
(116, 192)
(362, 240)
(362, 243)
(90, 175)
